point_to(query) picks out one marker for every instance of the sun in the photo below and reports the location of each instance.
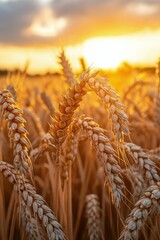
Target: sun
(104, 52)
(110, 52)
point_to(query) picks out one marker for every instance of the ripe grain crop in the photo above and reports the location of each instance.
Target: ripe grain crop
(77, 162)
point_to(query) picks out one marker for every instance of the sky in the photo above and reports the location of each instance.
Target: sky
(105, 32)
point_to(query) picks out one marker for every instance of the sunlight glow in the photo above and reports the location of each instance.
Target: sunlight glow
(104, 52)
(141, 48)
(45, 25)
(109, 52)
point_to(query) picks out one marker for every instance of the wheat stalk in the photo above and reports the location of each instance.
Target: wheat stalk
(157, 111)
(83, 64)
(36, 121)
(47, 101)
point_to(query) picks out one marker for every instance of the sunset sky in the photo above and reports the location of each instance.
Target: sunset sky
(105, 32)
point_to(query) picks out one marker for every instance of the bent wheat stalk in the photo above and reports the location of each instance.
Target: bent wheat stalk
(112, 104)
(88, 82)
(34, 202)
(106, 154)
(63, 118)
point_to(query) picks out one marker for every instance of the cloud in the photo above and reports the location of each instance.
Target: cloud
(14, 17)
(104, 17)
(142, 8)
(79, 7)
(72, 21)
(46, 25)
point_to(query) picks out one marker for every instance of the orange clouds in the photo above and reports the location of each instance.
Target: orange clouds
(49, 22)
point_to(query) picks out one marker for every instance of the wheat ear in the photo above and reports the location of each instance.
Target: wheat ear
(93, 215)
(69, 153)
(106, 154)
(88, 82)
(142, 159)
(12, 91)
(16, 131)
(63, 118)
(31, 225)
(66, 66)
(143, 208)
(112, 104)
(34, 202)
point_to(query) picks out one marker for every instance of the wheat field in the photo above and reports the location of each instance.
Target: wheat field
(80, 156)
